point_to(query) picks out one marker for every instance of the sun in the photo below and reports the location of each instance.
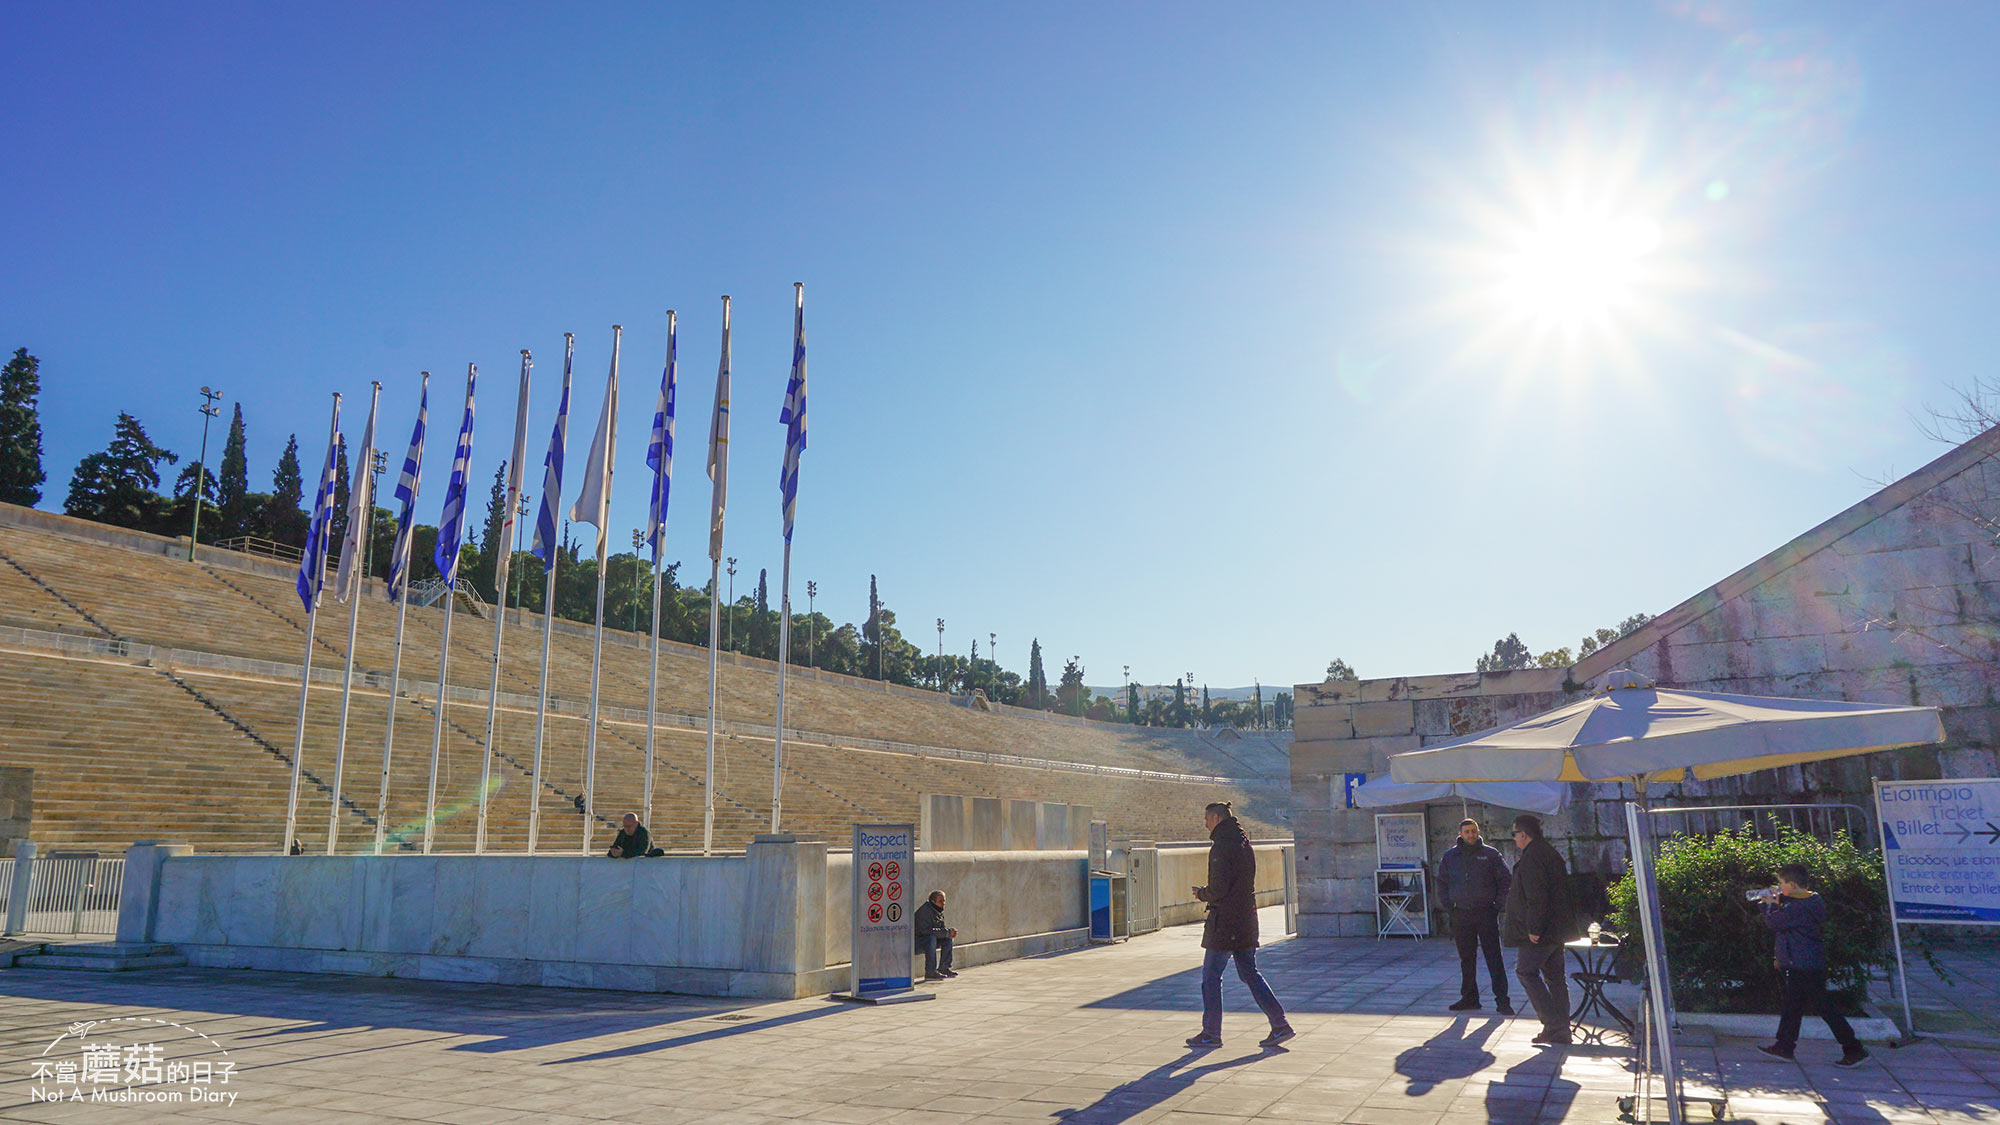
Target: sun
(1576, 269)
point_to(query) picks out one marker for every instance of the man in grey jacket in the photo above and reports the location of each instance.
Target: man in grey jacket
(1472, 883)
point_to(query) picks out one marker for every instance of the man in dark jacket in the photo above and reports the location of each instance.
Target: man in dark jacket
(1795, 914)
(934, 938)
(1541, 916)
(1472, 883)
(1231, 929)
(632, 841)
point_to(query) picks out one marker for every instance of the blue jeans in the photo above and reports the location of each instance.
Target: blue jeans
(937, 953)
(1246, 968)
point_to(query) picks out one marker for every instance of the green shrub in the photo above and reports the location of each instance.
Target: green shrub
(1719, 952)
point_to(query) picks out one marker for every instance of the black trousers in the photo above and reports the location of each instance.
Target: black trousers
(1805, 995)
(1472, 931)
(1539, 968)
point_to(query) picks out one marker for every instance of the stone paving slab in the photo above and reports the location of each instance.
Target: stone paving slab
(1087, 1037)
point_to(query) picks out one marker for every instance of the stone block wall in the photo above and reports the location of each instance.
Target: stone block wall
(1895, 600)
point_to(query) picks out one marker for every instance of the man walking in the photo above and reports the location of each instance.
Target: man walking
(1541, 916)
(1472, 883)
(1795, 913)
(1231, 929)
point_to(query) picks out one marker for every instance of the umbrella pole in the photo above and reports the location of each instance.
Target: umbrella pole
(1638, 823)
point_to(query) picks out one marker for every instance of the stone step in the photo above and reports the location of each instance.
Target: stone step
(104, 957)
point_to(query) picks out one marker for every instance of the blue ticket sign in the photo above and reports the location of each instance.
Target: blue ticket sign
(1941, 849)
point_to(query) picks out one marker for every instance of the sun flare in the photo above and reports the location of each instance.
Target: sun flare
(1569, 270)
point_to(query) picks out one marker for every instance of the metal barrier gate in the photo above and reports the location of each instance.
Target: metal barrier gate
(67, 893)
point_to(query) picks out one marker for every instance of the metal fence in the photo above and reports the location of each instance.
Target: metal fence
(6, 884)
(72, 894)
(1819, 821)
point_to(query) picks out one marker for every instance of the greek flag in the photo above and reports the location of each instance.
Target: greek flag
(718, 445)
(660, 451)
(451, 523)
(406, 491)
(312, 568)
(793, 417)
(544, 547)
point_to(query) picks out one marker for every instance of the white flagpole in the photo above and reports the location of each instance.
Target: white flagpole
(450, 601)
(653, 668)
(389, 734)
(396, 668)
(437, 727)
(361, 489)
(785, 583)
(608, 435)
(305, 677)
(503, 562)
(718, 471)
(551, 504)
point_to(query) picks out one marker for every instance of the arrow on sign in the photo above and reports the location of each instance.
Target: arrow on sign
(1991, 833)
(1964, 834)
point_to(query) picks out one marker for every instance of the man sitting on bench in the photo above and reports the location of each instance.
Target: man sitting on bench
(934, 938)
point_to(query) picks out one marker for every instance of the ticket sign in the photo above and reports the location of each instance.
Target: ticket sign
(884, 934)
(1941, 849)
(1399, 840)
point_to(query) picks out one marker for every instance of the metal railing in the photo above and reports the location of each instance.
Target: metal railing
(1820, 821)
(251, 545)
(75, 893)
(6, 885)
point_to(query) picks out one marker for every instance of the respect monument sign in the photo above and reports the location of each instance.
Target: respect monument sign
(1941, 849)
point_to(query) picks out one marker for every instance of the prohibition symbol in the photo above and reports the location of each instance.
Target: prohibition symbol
(875, 913)
(875, 871)
(894, 870)
(895, 911)
(895, 891)
(875, 893)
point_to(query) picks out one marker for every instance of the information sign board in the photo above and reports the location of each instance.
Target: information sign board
(1941, 849)
(885, 861)
(1399, 840)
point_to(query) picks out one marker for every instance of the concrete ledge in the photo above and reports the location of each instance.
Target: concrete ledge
(834, 978)
(1873, 1028)
(500, 970)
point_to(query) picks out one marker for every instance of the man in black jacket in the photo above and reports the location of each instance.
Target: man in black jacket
(1541, 916)
(1472, 883)
(1231, 929)
(632, 841)
(934, 938)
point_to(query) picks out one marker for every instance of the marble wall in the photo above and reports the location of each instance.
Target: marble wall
(991, 824)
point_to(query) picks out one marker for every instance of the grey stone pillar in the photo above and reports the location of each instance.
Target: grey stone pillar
(785, 923)
(138, 901)
(17, 895)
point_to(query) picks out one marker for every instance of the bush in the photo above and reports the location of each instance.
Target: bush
(1720, 953)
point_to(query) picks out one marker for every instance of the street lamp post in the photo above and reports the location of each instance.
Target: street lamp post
(378, 463)
(638, 541)
(520, 529)
(732, 605)
(208, 411)
(812, 591)
(940, 664)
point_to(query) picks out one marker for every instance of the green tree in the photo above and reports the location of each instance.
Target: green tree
(232, 482)
(1038, 680)
(1281, 711)
(1508, 654)
(763, 590)
(21, 474)
(1071, 695)
(1340, 670)
(1207, 712)
(120, 485)
(493, 540)
(174, 519)
(871, 633)
(1132, 703)
(284, 520)
(337, 526)
(1260, 705)
(1603, 637)
(1180, 711)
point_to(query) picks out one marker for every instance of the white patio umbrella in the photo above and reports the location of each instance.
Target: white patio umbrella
(1629, 730)
(1535, 796)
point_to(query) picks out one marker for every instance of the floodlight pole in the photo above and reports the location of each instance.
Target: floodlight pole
(208, 411)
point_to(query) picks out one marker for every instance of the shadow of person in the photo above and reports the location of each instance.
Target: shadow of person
(1458, 1051)
(1531, 1090)
(1122, 1102)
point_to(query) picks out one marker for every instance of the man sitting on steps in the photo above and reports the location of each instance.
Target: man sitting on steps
(934, 938)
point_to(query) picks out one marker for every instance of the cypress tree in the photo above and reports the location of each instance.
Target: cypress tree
(493, 539)
(1132, 703)
(21, 474)
(1038, 681)
(284, 521)
(232, 481)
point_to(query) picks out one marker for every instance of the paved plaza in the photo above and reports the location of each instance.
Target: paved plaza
(1085, 1037)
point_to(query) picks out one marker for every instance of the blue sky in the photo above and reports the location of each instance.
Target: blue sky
(1223, 339)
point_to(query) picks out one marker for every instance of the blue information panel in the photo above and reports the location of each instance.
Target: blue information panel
(885, 873)
(1941, 849)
